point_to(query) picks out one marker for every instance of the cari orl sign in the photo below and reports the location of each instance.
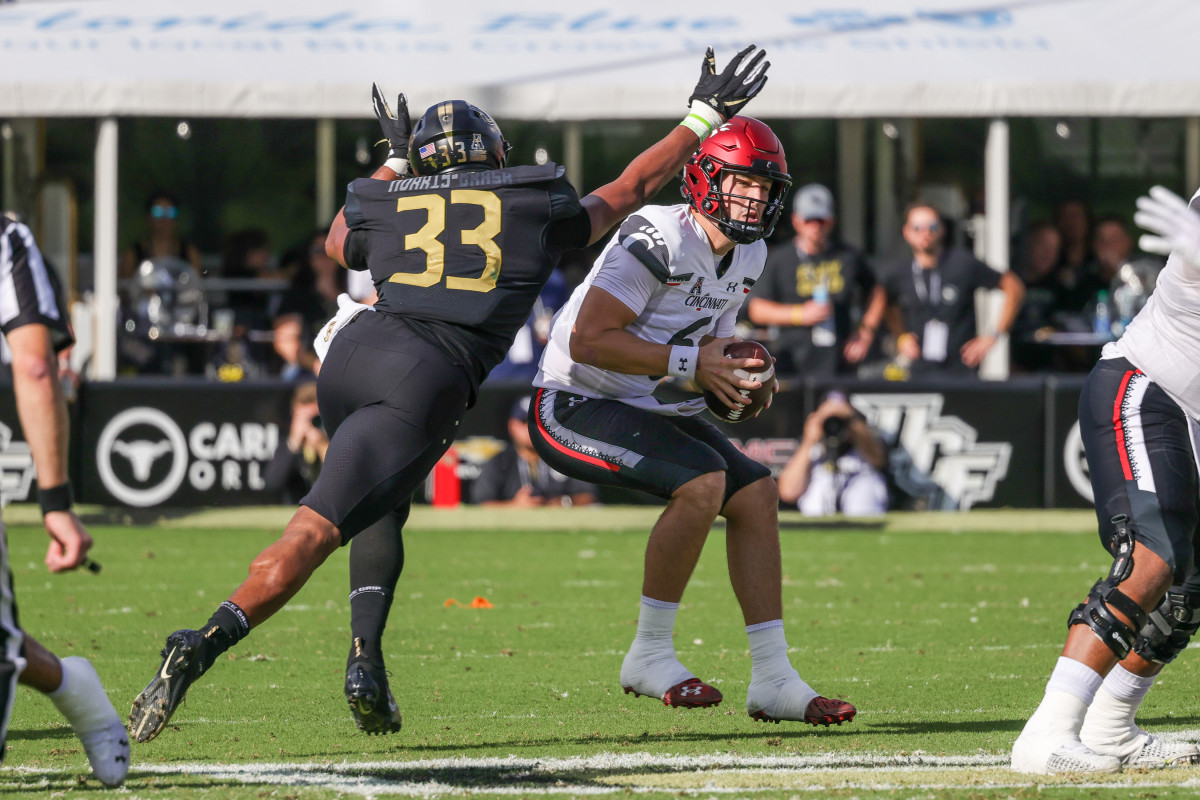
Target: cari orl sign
(144, 457)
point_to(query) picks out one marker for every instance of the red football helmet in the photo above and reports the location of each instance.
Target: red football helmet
(741, 145)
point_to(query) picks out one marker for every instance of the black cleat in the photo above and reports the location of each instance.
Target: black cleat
(182, 664)
(370, 699)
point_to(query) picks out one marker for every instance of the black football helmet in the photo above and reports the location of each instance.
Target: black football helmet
(742, 145)
(455, 135)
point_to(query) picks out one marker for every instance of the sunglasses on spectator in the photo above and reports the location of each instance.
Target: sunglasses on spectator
(164, 212)
(932, 227)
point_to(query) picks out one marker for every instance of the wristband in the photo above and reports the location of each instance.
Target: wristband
(702, 119)
(683, 360)
(397, 165)
(55, 498)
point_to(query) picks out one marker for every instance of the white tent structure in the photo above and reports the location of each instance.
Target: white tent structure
(594, 60)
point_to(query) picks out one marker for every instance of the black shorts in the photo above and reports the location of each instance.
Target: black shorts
(391, 403)
(609, 442)
(1141, 454)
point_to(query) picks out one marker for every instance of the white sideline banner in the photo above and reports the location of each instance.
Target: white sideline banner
(597, 59)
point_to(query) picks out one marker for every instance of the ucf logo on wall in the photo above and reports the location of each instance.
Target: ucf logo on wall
(16, 468)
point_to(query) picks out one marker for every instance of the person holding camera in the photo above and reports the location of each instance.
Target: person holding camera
(838, 465)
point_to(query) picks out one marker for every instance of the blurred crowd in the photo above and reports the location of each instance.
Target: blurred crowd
(823, 309)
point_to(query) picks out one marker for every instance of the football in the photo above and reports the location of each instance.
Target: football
(758, 397)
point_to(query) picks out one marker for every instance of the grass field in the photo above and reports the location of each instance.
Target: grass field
(941, 629)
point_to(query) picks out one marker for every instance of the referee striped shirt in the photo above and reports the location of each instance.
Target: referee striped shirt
(28, 290)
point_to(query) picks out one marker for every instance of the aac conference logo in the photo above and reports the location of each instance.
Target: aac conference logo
(152, 435)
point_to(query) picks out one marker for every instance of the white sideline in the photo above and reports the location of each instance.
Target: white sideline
(516, 774)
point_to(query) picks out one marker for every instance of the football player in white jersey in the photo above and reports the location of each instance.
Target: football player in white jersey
(661, 300)
(1138, 417)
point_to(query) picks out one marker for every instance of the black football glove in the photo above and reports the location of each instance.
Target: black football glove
(728, 93)
(397, 130)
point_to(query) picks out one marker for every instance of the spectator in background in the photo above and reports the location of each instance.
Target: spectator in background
(309, 302)
(934, 294)
(520, 364)
(517, 477)
(297, 461)
(248, 256)
(1043, 296)
(162, 237)
(813, 289)
(1074, 223)
(838, 465)
(1112, 246)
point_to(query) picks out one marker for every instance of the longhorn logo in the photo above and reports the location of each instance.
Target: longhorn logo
(142, 455)
(142, 451)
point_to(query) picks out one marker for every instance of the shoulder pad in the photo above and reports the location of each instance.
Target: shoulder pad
(650, 237)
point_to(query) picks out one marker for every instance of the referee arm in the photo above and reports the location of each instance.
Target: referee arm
(42, 408)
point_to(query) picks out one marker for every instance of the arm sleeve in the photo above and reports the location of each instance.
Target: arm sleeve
(354, 249)
(626, 278)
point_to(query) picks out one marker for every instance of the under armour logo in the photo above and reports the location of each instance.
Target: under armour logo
(731, 287)
(686, 690)
(573, 400)
(683, 362)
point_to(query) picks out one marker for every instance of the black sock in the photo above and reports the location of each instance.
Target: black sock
(376, 561)
(225, 628)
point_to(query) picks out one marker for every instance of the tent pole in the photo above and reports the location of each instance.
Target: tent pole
(104, 252)
(326, 172)
(1191, 155)
(573, 154)
(996, 203)
(851, 189)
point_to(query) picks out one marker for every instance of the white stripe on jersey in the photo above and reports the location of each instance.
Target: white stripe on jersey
(693, 302)
(10, 303)
(1163, 340)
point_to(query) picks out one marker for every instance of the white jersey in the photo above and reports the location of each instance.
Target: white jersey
(1163, 341)
(660, 264)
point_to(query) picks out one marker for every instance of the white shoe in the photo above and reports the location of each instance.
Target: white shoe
(87, 708)
(1144, 750)
(1043, 756)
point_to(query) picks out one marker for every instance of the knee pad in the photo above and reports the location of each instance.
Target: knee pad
(1095, 612)
(1170, 627)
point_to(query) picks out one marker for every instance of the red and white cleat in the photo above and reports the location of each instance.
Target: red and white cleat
(692, 693)
(820, 711)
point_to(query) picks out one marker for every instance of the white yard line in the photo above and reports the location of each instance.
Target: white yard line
(646, 772)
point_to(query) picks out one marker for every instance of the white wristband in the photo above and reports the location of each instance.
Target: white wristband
(397, 165)
(683, 360)
(702, 119)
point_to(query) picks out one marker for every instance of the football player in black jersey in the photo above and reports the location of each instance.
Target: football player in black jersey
(458, 249)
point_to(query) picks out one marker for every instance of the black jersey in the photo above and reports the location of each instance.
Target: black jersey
(461, 256)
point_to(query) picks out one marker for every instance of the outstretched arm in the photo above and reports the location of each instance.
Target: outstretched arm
(397, 128)
(717, 98)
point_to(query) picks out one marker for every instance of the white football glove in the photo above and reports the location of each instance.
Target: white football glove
(1176, 226)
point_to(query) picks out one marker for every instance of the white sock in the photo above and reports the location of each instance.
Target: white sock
(81, 698)
(770, 671)
(1124, 685)
(1109, 726)
(651, 666)
(1074, 677)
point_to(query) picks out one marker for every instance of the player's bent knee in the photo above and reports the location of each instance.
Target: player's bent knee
(704, 491)
(1169, 628)
(1097, 612)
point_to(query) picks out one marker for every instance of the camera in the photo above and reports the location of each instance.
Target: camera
(836, 439)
